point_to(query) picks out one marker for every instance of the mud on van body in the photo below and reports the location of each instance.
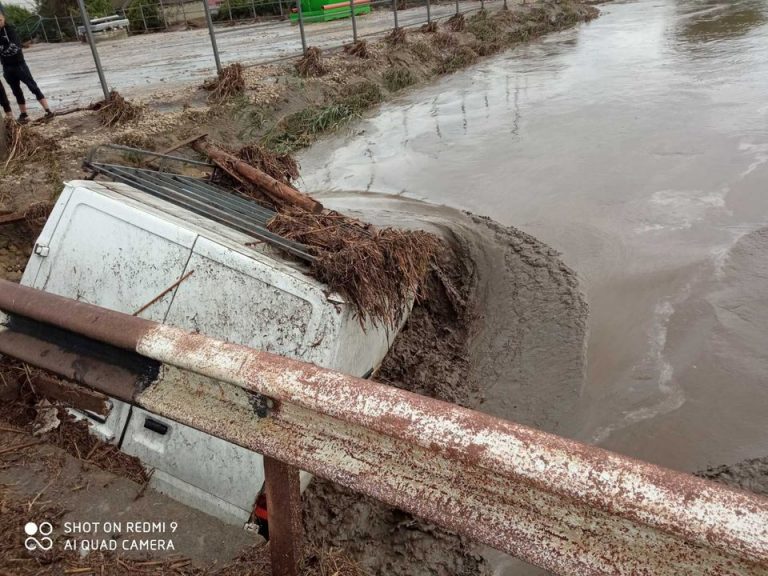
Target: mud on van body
(114, 246)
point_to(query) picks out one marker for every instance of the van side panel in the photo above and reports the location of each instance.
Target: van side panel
(238, 298)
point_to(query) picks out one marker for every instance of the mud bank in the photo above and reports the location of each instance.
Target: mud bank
(751, 475)
(521, 354)
(503, 330)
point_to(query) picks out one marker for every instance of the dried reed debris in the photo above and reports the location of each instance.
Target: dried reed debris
(229, 83)
(378, 269)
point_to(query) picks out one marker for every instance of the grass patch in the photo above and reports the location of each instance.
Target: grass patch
(480, 23)
(301, 128)
(362, 95)
(460, 57)
(396, 37)
(456, 23)
(423, 50)
(445, 40)
(488, 32)
(398, 77)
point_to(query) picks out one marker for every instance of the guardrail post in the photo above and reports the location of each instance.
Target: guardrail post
(284, 509)
(212, 34)
(96, 59)
(354, 20)
(301, 28)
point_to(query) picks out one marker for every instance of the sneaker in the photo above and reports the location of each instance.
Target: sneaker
(23, 118)
(48, 115)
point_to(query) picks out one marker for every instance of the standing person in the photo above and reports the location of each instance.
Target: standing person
(16, 71)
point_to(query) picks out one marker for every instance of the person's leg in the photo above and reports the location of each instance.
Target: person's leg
(26, 77)
(14, 81)
(4, 102)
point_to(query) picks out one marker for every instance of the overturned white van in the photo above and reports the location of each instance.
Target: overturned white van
(180, 251)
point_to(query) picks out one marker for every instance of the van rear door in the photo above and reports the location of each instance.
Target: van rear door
(106, 252)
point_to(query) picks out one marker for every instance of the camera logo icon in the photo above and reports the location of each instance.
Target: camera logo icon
(43, 530)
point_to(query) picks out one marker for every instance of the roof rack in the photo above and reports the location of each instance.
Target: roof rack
(200, 197)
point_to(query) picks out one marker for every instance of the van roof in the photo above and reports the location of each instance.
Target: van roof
(235, 239)
(207, 200)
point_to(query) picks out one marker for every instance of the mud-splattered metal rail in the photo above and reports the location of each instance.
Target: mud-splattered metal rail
(565, 506)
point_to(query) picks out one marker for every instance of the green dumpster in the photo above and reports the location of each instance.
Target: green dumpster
(325, 10)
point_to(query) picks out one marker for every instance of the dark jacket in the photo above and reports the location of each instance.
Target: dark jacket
(10, 47)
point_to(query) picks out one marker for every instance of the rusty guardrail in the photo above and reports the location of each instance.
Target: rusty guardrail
(559, 504)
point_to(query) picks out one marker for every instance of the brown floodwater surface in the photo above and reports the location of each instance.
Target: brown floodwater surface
(637, 145)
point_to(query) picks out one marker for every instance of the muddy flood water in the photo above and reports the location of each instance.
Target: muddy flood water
(636, 145)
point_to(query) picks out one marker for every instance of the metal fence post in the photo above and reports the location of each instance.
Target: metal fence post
(74, 27)
(162, 13)
(280, 3)
(429, 13)
(58, 28)
(45, 34)
(301, 28)
(184, 13)
(96, 60)
(457, 6)
(229, 7)
(213, 35)
(141, 9)
(354, 20)
(394, 11)
(284, 509)
(253, 9)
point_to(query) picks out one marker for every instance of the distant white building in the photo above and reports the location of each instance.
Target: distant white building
(28, 4)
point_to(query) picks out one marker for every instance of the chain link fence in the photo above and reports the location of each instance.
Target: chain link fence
(147, 16)
(252, 32)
